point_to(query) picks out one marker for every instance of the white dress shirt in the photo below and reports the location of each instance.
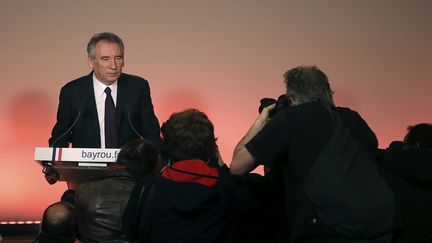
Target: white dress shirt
(100, 96)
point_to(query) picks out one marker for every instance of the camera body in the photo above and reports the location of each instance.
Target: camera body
(282, 102)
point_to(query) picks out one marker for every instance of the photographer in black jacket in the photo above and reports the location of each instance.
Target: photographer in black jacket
(327, 157)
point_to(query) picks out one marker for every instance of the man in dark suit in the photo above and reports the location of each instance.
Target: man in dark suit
(107, 108)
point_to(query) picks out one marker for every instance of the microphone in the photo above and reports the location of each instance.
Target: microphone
(80, 111)
(130, 123)
(51, 175)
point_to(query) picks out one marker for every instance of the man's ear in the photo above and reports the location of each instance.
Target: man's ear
(90, 62)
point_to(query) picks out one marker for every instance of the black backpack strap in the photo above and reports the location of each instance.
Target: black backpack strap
(143, 230)
(341, 183)
(136, 216)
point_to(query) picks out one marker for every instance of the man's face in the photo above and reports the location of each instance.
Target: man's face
(108, 62)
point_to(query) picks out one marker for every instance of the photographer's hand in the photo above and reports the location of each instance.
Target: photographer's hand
(259, 123)
(243, 162)
(266, 112)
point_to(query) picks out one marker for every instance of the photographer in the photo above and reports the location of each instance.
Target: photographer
(326, 154)
(407, 168)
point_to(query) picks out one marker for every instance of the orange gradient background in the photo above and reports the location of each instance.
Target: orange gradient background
(221, 57)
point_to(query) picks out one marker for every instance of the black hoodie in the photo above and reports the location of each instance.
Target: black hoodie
(196, 203)
(409, 175)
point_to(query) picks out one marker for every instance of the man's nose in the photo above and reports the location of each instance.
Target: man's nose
(113, 64)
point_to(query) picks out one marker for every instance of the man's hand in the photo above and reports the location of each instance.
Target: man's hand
(256, 126)
(51, 175)
(266, 111)
(243, 161)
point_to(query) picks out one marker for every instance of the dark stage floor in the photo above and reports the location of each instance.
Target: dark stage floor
(18, 233)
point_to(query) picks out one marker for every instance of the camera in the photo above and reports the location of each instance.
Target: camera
(282, 102)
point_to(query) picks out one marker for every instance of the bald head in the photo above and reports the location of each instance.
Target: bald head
(57, 220)
(57, 213)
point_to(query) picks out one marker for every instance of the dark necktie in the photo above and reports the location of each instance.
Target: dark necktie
(110, 121)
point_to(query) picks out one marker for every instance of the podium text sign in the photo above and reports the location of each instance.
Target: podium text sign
(77, 165)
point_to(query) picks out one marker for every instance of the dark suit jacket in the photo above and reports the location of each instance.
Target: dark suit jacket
(134, 109)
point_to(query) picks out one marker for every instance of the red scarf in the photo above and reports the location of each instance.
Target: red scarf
(192, 171)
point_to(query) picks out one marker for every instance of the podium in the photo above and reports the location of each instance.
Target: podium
(77, 165)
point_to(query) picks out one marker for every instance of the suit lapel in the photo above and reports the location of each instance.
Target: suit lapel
(121, 100)
(91, 105)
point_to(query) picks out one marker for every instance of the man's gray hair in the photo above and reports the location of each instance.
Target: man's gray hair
(307, 84)
(105, 36)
